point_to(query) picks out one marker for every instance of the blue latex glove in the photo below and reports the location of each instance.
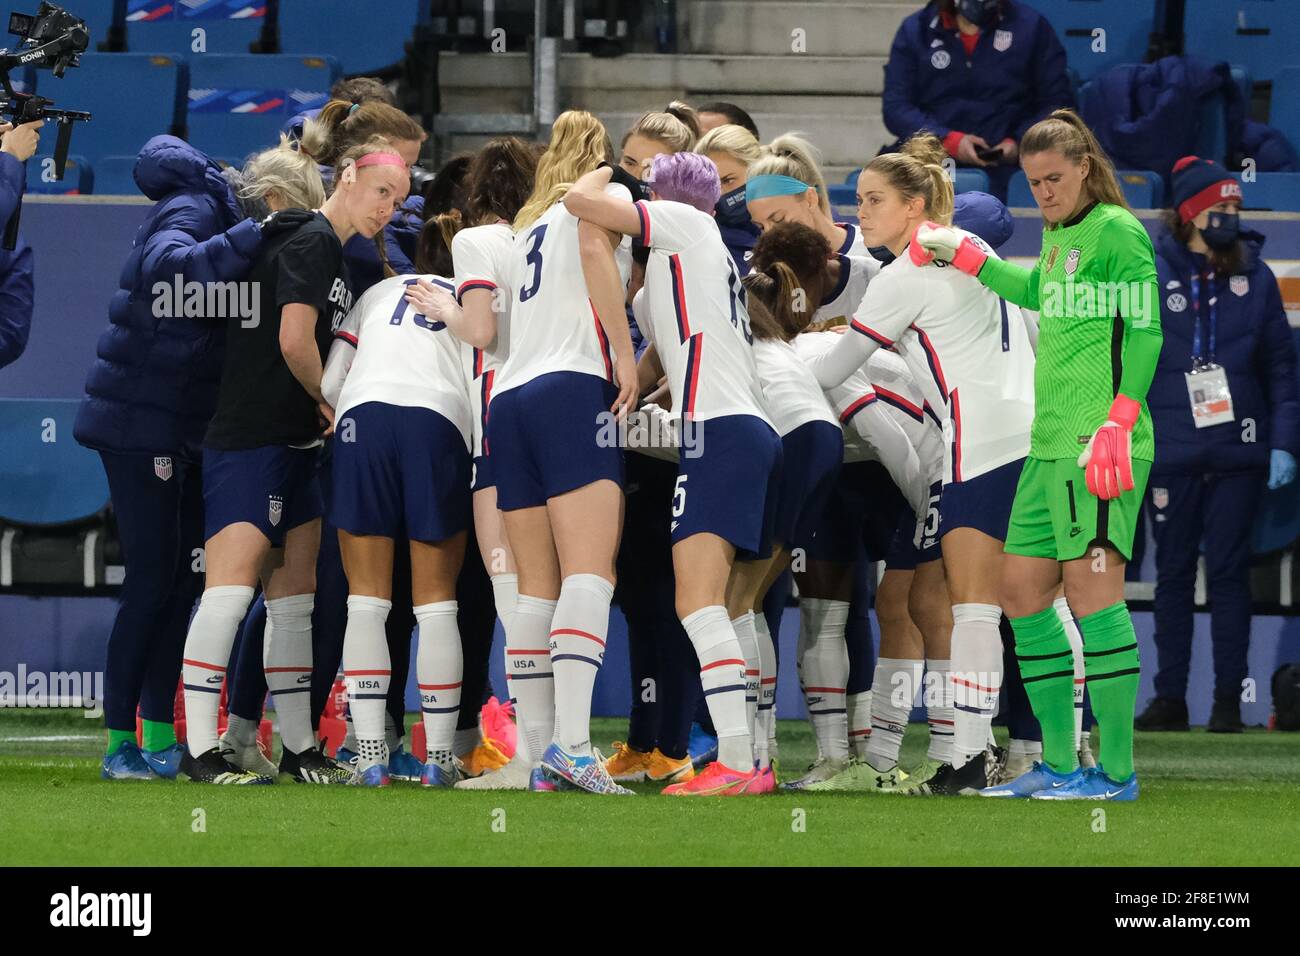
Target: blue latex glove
(1281, 469)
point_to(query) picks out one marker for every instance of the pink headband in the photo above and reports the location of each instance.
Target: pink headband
(381, 159)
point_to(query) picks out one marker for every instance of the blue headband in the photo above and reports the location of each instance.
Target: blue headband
(761, 187)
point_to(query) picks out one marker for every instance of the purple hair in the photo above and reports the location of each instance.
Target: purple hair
(686, 177)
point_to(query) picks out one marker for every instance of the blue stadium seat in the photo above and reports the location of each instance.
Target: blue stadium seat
(844, 202)
(130, 96)
(970, 180)
(1262, 33)
(1284, 109)
(99, 18)
(361, 42)
(46, 478)
(78, 177)
(1127, 24)
(1241, 76)
(114, 176)
(1142, 188)
(167, 26)
(1018, 194)
(1212, 128)
(229, 117)
(1279, 192)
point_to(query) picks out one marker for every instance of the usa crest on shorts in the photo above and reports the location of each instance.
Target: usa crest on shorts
(1002, 40)
(1072, 261)
(162, 467)
(275, 510)
(1160, 497)
(1239, 285)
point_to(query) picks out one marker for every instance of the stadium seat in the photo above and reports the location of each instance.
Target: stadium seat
(1212, 128)
(1262, 33)
(78, 177)
(115, 176)
(844, 202)
(1127, 25)
(1278, 192)
(1018, 194)
(130, 96)
(228, 117)
(1142, 188)
(167, 26)
(1241, 76)
(46, 478)
(362, 43)
(99, 19)
(1284, 108)
(970, 180)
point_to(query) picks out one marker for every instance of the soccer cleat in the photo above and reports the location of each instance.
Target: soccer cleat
(126, 763)
(312, 766)
(486, 756)
(716, 780)
(376, 776)
(978, 773)
(538, 782)
(246, 756)
(586, 772)
(661, 768)
(627, 764)
(922, 772)
(165, 763)
(513, 776)
(1039, 777)
(213, 767)
(344, 755)
(1093, 784)
(823, 768)
(437, 775)
(702, 747)
(403, 765)
(860, 777)
(1017, 765)
(764, 781)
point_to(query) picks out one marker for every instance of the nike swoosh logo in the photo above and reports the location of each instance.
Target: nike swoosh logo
(1059, 783)
(215, 679)
(304, 679)
(1114, 793)
(1075, 532)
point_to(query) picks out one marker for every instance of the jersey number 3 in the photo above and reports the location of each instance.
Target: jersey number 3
(534, 259)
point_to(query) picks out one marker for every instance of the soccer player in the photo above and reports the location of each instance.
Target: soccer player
(560, 489)
(786, 185)
(261, 503)
(969, 353)
(1077, 501)
(725, 497)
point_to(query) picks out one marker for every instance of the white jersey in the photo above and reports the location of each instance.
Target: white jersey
(898, 394)
(856, 272)
(481, 257)
(698, 321)
(968, 352)
(553, 325)
(791, 395)
(852, 244)
(401, 357)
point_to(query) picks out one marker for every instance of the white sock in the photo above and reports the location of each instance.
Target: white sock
(976, 677)
(528, 672)
(1076, 647)
(859, 706)
(206, 657)
(765, 729)
(438, 665)
(367, 672)
(747, 635)
(938, 710)
(350, 737)
(824, 672)
(896, 683)
(722, 672)
(578, 633)
(1026, 748)
(287, 661)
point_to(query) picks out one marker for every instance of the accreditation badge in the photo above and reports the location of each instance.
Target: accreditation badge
(1207, 389)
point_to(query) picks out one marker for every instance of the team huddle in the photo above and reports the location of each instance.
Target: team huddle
(826, 392)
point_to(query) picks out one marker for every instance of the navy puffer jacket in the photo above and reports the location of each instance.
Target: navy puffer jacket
(154, 385)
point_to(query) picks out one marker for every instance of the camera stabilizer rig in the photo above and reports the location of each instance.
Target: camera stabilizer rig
(53, 40)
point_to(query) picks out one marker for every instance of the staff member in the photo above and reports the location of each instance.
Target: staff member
(17, 145)
(1227, 419)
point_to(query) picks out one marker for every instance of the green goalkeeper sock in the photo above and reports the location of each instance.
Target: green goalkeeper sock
(158, 735)
(1110, 657)
(115, 738)
(1047, 668)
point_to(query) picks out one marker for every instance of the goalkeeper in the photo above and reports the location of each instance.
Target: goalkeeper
(1077, 502)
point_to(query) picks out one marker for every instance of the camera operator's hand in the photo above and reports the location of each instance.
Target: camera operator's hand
(22, 141)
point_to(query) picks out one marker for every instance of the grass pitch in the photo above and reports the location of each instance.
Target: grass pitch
(1206, 800)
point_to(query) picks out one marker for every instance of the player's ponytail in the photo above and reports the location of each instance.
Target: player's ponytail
(433, 250)
(792, 258)
(918, 170)
(792, 155)
(761, 289)
(499, 180)
(1065, 132)
(285, 172)
(341, 125)
(578, 145)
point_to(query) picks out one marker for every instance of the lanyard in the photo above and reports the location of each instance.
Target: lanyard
(1196, 318)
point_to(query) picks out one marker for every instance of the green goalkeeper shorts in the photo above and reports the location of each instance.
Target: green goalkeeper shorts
(1055, 516)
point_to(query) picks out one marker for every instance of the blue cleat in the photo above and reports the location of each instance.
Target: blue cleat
(435, 775)
(126, 763)
(345, 756)
(1038, 777)
(1093, 784)
(404, 766)
(702, 747)
(538, 782)
(375, 776)
(165, 763)
(584, 771)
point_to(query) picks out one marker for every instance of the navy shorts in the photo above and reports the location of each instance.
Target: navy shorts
(982, 503)
(731, 487)
(904, 552)
(810, 463)
(405, 474)
(481, 474)
(860, 516)
(547, 438)
(273, 487)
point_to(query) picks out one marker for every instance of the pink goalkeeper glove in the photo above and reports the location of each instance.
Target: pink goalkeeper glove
(1108, 459)
(933, 241)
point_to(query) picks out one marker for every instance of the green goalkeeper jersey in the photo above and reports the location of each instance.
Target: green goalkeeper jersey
(1096, 293)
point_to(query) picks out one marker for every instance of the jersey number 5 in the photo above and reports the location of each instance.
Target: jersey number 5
(534, 260)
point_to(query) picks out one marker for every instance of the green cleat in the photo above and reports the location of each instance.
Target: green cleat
(860, 777)
(922, 774)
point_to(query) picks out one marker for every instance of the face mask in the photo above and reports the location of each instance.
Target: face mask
(731, 208)
(1222, 231)
(979, 12)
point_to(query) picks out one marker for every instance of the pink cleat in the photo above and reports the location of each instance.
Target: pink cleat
(496, 721)
(764, 781)
(715, 780)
